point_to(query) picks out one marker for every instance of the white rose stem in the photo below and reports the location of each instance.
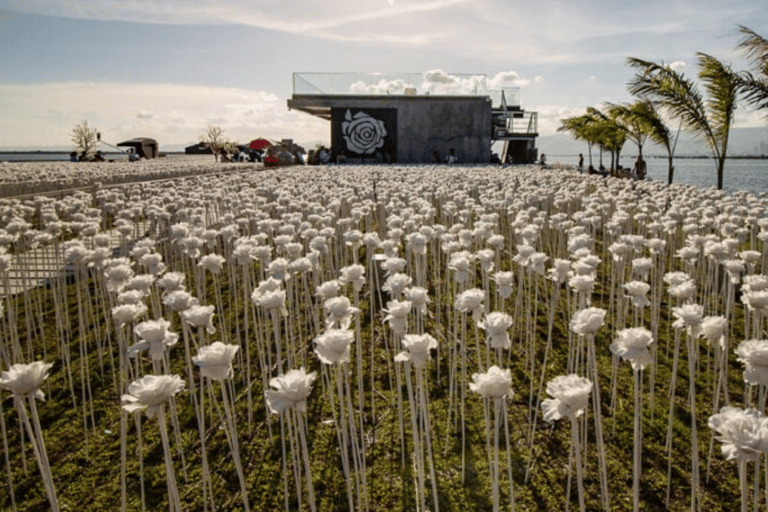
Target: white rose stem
(373, 288)
(341, 426)
(262, 349)
(286, 495)
(197, 403)
(463, 384)
(576, 448)
(494, 477)
(620, 315)
(672, 386)
(360, 379)
(6, 452)
(427, 427)
(85, 379)
(744, 485)
(38, 447)
(599, 441)
(275, 315)
(140, 444)
(693, 350)
(13, 330)
(174, 502)
(498, 403)
(302, 425)
(246, 343)
(637, 458)
(229, 410)
(656, 293)
(507, 442)
(223, 322)
(553, 303)
(396, 342)
(418, 453)
(357, 444)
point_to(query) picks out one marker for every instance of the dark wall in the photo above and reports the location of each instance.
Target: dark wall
(423, 125)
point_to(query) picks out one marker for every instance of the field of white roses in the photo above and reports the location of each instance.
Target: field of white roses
(384, 338)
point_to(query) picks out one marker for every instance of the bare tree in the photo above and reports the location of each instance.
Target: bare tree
(84, 138)
(214, 139)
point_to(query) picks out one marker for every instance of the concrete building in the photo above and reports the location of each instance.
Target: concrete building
(416, 118)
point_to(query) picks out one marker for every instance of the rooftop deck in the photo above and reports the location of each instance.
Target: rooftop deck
(431, 83)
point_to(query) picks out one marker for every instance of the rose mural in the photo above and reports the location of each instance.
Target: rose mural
(362, 133)
(368, 134)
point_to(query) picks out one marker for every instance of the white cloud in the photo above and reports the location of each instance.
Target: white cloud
(44, 114)
(677, 65)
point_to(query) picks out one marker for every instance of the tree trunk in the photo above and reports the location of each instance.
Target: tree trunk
(720, 169)
(671, 174)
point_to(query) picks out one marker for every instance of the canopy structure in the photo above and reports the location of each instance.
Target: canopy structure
(143, 147)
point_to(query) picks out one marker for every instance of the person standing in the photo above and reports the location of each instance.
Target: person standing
(581, 163)
(452, 158)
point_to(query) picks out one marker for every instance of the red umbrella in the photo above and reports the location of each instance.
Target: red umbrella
(258, 144)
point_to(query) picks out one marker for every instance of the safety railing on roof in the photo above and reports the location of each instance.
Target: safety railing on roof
(400, 84)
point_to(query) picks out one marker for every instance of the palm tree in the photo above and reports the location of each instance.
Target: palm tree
(581, 129)
(595, 127)
(642, 121)
(755, 88)
(670, 89)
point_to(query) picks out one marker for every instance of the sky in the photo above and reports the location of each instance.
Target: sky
(167, 69)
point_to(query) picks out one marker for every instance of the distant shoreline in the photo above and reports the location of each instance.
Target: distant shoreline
(686, 157)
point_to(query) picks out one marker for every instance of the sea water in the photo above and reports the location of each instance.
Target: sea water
(750, 174)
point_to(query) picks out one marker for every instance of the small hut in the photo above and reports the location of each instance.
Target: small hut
(143, 147)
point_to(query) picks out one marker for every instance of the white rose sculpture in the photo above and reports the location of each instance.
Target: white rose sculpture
(362, 133)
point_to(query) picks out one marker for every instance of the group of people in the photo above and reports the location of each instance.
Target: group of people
(638, 171)
(451, 157)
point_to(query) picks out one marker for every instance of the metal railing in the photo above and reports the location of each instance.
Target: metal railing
(401, 84)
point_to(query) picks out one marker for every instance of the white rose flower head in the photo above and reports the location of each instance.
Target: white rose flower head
(272, 300)
(582, 283)
(743, 432)
(328, 289)
(393, 265)
(754, 355)
(171, 281)
(417, 349)
(289, 390)
(689, 316)
(354, 274)
(339, 311)
(713, 328)
(632, 345)
(332, 346)
(25, 379)
(179, 300)
(397, 315)
(419, 297)
(154, 336)
(215, 360)
(150, 392)
(570, 396)
(494, 383)
(496, 325)
(199, 316)
(212, 263)
(636, 291)
(560, 271)
(504, 282)
(396, 283)
(588, 321)
(471, 301)
(127, 313)
(756, 300)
